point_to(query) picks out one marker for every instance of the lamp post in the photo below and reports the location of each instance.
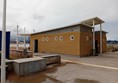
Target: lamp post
(17, 39)
(24, 39)
(3, 68)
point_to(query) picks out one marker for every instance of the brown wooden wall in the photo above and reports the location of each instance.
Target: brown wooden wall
(86, 43)
(104, 41)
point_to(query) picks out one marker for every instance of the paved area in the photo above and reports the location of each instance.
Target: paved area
(76, 70)
(71, 72)
(106, 59)
(109, 59)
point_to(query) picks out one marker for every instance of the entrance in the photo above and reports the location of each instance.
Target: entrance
(96, 46)
(35, 45)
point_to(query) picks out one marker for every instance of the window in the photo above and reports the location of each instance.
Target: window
(87, 38)
(61, 38)
(56, 38)
(43, 39)
(72, 37)
(47, 38)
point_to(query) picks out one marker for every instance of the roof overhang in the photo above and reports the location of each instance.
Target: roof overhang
(90, 21)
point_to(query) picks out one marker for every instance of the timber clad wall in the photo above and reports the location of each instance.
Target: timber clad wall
(86, 41)
(86, 44)
(104, 41)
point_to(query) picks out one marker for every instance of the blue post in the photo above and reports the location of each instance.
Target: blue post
(7, 43)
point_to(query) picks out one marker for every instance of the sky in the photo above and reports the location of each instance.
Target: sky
(41, 15)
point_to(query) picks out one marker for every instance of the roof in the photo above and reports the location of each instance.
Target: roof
(63, 28)
(90, 21)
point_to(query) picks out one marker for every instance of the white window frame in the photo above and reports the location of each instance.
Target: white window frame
(56, 38)
(43, 38)
(47, 38)
(72, 37)
(61, 38)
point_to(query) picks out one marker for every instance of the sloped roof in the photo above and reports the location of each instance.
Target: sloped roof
(62, 28)
(88, 23)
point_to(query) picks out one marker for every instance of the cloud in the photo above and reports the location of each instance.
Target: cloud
(48, 14)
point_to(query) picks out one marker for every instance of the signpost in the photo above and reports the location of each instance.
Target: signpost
(3, 68)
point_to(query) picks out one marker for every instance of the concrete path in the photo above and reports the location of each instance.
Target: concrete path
(93, 69)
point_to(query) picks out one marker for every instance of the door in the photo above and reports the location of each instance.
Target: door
(96, 46)
(35, 45)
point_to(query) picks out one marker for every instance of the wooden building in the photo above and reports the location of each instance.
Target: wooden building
(75, 39)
